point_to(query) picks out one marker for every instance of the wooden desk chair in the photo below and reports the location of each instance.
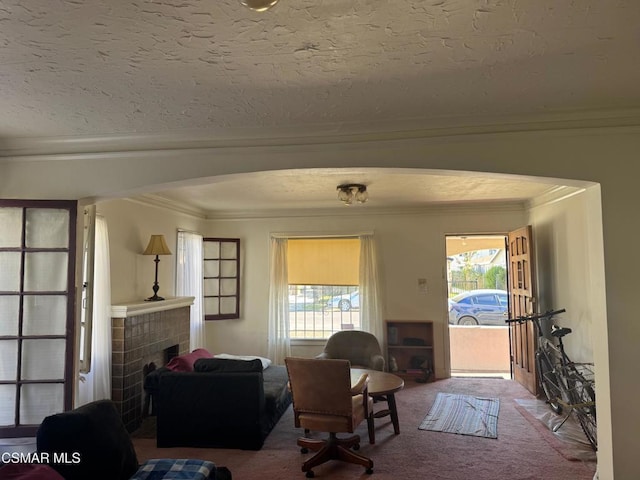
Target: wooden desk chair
(324, 401)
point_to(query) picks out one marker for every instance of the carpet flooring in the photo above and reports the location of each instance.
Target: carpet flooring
(521, 452)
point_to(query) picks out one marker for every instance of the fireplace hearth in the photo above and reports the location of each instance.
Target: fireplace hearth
(143, 335)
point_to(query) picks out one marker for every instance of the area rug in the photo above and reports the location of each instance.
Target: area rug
(464, 415)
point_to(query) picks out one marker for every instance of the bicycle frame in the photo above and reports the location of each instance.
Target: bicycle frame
(549, 363)
(567, 385)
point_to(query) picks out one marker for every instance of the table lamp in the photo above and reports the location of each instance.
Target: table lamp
(157, 246)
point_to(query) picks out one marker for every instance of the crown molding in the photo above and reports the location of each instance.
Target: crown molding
(158, 201)
(342, 211)
(360, 211)
(107, 146)
(554, 195)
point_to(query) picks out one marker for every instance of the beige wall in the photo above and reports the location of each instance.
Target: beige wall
(562, 250)
(479, 348)
(130, 226)
(410, 247)
(606, 156)
(569, 250)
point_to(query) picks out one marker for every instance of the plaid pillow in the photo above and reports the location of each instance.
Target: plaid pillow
(174, 469)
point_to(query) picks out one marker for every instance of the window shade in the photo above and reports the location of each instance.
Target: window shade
(323, 261)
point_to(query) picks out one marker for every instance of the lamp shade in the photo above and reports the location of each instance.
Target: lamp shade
(157, 246)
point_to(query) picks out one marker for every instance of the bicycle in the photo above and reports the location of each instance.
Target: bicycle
(566, 384)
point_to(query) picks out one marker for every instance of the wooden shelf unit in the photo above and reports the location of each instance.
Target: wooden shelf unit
(410, 343)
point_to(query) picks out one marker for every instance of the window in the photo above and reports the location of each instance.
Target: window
(486, 300)
(86, 313)
(37, 267)
(324, 295)
(221, 288)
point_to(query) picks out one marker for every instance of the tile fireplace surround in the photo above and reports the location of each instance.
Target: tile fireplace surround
(141, 333)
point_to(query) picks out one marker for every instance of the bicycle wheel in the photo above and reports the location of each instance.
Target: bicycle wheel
(549, 380)
(583, 403)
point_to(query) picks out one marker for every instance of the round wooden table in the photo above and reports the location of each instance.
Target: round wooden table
(382, 385)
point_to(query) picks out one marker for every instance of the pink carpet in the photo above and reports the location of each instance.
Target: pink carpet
(520, 452)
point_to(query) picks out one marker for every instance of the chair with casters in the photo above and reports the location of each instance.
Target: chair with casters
(325, 401)
(360, 348)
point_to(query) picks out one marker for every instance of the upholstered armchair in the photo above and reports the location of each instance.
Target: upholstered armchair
(360, 348)
(325, 401)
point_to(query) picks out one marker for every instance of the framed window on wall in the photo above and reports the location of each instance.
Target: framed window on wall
(221, 271)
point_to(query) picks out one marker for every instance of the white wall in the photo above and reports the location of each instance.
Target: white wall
(561, 243)
(410, 246)
(130, 226)
(569, 251)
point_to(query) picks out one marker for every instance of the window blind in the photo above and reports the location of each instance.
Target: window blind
(323, 261)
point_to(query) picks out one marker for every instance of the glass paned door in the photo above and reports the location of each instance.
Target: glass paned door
(37, 265)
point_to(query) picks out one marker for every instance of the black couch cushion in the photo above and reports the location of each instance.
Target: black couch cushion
(276, 391)
(277, 396)
(225, 365)
(96, 433)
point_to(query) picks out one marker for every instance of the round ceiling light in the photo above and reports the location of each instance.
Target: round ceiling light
(348, 192)
(259, 5)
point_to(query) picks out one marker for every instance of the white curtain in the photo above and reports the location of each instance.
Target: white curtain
(370, 295)
(189, 279)
(279, 343)
(96, 385)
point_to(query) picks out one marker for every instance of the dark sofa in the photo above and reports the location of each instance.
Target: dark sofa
(93, 443)
(222, 404)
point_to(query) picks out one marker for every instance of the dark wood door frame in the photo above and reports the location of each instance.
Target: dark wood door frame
(522, 301)
(18, 429)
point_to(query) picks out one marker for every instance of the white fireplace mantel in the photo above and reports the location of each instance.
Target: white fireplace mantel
(133, 309)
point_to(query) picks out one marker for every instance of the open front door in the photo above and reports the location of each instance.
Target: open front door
(523, 298)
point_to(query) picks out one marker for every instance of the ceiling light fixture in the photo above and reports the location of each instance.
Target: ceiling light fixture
(349, 192)
(259, 5)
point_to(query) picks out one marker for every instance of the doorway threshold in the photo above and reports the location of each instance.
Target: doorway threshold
(505, 375)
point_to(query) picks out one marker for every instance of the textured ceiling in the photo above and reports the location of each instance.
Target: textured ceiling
(212, 69)
(98, 67)
(290, 191)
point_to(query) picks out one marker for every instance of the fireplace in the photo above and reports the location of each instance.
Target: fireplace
(144, 333)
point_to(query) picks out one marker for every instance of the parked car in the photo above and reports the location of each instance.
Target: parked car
(479, 307)
(301, 302)
(345, 302)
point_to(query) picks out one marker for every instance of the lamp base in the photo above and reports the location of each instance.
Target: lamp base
(155, 298)
(156, 287)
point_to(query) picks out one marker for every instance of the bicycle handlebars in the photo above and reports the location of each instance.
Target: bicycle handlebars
(547, 314)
